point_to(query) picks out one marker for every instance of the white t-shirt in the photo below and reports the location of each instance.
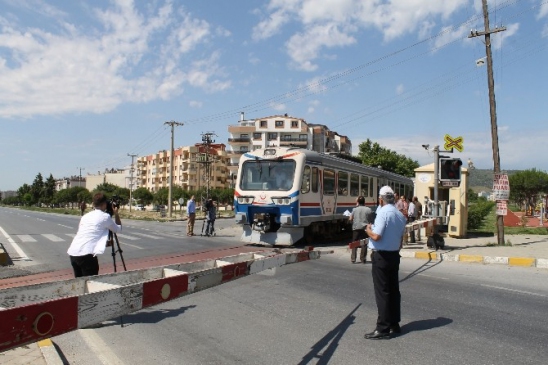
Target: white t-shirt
(92, 234)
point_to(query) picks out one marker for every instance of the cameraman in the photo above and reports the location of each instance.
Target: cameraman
(210, 216)
(92, 235)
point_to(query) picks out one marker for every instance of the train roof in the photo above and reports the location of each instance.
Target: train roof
(330, 160)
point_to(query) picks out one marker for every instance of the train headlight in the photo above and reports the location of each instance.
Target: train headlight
(284, 200)
(245, 200)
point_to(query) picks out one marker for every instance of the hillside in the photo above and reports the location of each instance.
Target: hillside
(482, 179)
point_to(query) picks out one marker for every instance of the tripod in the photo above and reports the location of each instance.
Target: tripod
(110, 242)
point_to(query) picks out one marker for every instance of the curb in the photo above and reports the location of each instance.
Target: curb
(539, 263)
(49, 352)
(501, 260)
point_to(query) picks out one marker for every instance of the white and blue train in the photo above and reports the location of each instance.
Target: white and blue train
(283, 195)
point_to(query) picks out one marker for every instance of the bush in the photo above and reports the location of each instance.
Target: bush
(477, 213)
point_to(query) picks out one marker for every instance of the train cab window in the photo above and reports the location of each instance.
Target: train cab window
(342, 183)
(328, 182)
(315, 179)
(305, 185)
(354, 185)
(365, 186)
(271, 175)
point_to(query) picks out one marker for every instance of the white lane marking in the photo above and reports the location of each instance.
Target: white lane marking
(40, 219)
(99, 347)
(131, 238)
(130, 245)
(25, 238)
(146, 235)
(514, 290)
(20, 252)
(53, 237)
(71, 235)
(62, 225)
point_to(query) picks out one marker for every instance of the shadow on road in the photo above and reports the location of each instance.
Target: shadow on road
(425, 324)
(426, 266)
(153, 316)
(331, 340)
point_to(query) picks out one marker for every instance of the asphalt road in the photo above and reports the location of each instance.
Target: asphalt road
(314, 312)
(45, 237)
(317, 312)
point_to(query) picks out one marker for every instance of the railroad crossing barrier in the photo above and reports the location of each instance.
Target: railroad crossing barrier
(413, 226)
(35, 312)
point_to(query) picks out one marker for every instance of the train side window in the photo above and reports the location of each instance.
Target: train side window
(354, 185)
(364, 186)
(342, 183)
(328, 182)
(371, 187)
(305, 185)
(314, 179)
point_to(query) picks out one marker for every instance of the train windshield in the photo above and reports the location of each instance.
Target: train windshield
(267, 175)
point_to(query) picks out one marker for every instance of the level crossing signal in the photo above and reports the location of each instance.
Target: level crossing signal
(450, 171)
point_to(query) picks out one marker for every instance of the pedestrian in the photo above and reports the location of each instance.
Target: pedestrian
(211, 215)
(191, 212)
(418, 209)
(385, 238)
(83, 207)
(360, 217)
(411, 217)
(92, 235)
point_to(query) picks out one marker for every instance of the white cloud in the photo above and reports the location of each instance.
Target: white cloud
(79, 69)
(195, 104)
(498, 38)
(304, 47)
(400, 89)
(333, 23)
(543, 9)
(278, 107)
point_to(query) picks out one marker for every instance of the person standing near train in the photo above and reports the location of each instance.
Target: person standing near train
(360, 217)
(385, 242)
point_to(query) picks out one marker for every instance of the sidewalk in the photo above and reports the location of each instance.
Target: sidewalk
(522, 250)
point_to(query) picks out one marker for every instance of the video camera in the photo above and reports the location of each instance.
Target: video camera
(113, 202)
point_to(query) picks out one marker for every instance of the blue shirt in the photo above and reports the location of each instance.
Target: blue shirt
(390, 225)
(191, 206)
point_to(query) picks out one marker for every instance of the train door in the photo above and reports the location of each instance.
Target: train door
(328, 196)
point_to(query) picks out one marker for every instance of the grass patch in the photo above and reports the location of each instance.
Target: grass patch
(488, 226)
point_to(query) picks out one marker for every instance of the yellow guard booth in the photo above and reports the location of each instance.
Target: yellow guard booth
(453, 200)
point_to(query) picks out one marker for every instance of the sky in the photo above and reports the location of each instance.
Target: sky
(85, 84)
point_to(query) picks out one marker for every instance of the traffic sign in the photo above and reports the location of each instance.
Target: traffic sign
(181, 201)
(501, 187)
(456, 143)
(502, 208)
(450, 183)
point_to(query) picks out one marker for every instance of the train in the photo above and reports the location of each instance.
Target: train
(288, 195)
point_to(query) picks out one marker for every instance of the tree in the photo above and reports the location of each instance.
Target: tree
(161, 196)
(143, 196)
(527, 186)
(37, 188)
(22, 191)
(49, 190)
(372, 154)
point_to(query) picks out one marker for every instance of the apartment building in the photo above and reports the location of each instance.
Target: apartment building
(189, 168)
(281, 130)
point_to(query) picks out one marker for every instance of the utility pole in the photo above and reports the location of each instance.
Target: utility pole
(207, 140)
(169, 198)
(131, 170)
(80, 180)
(493, 110)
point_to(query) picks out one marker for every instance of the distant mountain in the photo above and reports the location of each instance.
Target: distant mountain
(482, 179)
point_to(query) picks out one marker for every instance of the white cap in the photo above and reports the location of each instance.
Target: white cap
(386, 190)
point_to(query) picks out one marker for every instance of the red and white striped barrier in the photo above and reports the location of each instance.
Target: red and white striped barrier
(35, 312)
(422, 223)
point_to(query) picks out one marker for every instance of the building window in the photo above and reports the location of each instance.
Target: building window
(263, 124)
(272, 136)
(244, 136)
(257, 136)
(286, 137)
(244, 149)
(257, 147)
(294, 124)
(279, 124)
(303, 137)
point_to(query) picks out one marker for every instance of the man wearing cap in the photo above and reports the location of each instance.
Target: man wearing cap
(385, 239)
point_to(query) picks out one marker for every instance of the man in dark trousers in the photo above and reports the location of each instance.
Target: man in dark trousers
(418, 209)
(385, 240)
(361, 216)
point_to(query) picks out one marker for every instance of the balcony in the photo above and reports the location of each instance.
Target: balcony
(239, 140)
(236, 152)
